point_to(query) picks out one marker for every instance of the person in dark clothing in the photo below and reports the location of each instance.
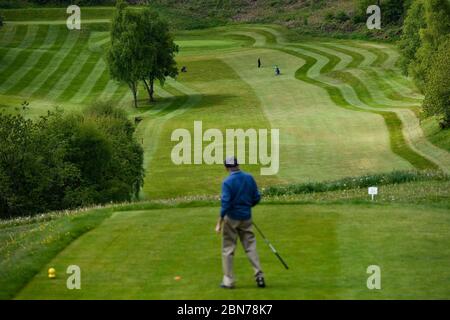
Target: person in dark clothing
(259, 62)
(239, 194)
(277, 71)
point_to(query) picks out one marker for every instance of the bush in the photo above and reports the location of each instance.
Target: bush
(67, 161)
(329, 16)
(342, 16)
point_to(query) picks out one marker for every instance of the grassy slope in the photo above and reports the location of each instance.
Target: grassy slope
(56, 67)
(436, 135)
(28, 246)
(25, 248)
(137, 254)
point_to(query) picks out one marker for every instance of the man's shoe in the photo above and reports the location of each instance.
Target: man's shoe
(226, 287)
(260, 282)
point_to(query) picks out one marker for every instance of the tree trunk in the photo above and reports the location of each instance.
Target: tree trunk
(150, 89)
(133, 87)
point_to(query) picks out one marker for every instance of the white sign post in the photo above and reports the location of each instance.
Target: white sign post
(373, 191)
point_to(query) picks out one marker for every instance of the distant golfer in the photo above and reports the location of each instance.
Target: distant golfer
(239, 195)
(259, 62)
(277, 71)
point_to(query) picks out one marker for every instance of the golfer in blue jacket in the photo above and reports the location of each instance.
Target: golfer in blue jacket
(239, 195)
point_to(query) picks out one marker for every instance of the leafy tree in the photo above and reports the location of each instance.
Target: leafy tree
(410, 39)
(430, 20)
(142, 48)
(437, 89)
(161, 64)
(126, 56)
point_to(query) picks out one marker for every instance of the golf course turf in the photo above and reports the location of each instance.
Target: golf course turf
(343, 109)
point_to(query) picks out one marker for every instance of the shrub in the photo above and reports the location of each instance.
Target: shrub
(342, 16)
(329, 16)
(67, 161)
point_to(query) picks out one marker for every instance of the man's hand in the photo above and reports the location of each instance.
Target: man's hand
(219, 225)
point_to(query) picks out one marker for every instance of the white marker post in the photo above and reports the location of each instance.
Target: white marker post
(373, 191)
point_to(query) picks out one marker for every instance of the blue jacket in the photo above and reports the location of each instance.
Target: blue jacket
(239, 194)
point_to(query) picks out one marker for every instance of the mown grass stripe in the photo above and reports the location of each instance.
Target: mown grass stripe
(387, 75)
(369, 57)
(21, 56)
(17, 37)
(344, 60)
(108, 90)
(8, 54)
(393, 123)
(378, 89)
(8, 34)
(270, 39)
(368, 95)
(332, 59)
(97, 76)
(31, 61)
(40, 64)
(63, 59)
(69, 77)
(391, 91)
(81, 75)
(381, 56)
(47, 63)
(357, 58)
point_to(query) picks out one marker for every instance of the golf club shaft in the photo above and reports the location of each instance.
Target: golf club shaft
(271, 247)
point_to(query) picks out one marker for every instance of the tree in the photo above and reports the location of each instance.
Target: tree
(142, 49)
(126, 56)
(410, 39)
(161, 63)
(437, 18)
(437, 89)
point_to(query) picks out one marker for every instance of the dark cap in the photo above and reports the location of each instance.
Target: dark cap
(231, 162)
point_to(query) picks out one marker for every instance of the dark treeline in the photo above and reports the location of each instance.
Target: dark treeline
(67, 161)
(425, 47)
(6, 4)
(392, 11)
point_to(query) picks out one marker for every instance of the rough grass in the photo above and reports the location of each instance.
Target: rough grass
(395, 177)
(435, 134)
(26, 247)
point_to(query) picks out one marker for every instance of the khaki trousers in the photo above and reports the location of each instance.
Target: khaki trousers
(232, 229)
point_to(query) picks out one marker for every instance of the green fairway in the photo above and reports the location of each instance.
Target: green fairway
(341, 106)
(343, 109)
(137, 254)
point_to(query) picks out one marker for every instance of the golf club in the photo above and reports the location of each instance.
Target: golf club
(271, 247)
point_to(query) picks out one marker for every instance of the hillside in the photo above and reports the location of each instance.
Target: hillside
(341, 18)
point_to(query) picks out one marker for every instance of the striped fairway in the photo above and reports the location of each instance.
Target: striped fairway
(342, 107)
